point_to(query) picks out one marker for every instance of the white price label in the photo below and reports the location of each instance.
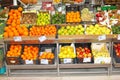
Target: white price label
(42, 38)
(29, 61)
(67, 61)
(48, 5)
(87, 60)
(40, 53)
(118, 37)
(63, 12)
(53, 12)
(44, 61)
(48, 50)
(102, 37)
(118, 12)
(67, 4)
(17, 38)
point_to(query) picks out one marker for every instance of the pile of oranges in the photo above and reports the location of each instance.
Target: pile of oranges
(14, 17)
(13, 27)
(47, 55)
(73, 16)
(15, 51)
(30, 53)
(43, 30)
(15, 31)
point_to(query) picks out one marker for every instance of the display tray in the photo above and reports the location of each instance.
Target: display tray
(29, 18)
(115, 63)
(13, 60)
(51, 48)
(82, 48)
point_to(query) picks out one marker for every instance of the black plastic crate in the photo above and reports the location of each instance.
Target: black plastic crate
(84, 45)
(72, 8)
(117, 59)
(66, 60)
(48, 48)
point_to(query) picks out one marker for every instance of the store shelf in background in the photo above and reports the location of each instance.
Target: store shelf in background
(84, 65)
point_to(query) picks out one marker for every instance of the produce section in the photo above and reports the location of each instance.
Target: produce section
(80, 42)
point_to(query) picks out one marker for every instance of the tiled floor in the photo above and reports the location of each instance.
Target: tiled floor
(114, 77)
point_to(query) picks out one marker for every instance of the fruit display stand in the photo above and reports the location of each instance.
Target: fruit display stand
(67, 34)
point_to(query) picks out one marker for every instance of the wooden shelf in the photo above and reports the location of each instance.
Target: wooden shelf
(84, 65)
(31, 40)
(32, 66)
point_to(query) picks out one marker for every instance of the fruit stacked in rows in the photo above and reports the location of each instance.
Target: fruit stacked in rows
(47, 55)
(15, 31)
(43, 18)
(71, 30)
(58, 18)
(13, 27)
(67, 52)
(14, 17)
(83, 52)
(116, 29)
(14, 51)
(117, 49)
(30, 53)
(73, 16)
(43, 30)
(97, 29)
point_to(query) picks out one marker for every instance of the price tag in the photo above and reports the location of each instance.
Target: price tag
(118, 12)
(29, 61)
(44, 61)
(102, 37)
(63, 12)
(67, 61)
(118, 37)
(17, 38)
(48, 50)
(67, 4)
(87, 60)
(40, 53)
(53, 12)
(48, 5)
(42, 38)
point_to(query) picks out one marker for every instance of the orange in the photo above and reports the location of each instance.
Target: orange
(5, 34)
(20, 9)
